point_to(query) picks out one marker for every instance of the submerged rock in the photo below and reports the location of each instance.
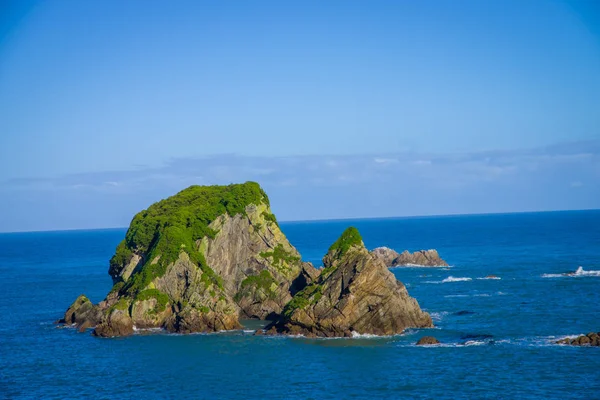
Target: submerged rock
(427, 341)
(391, 258)
(355, 292)
(196, 262)
(464, 312)
(591, 339)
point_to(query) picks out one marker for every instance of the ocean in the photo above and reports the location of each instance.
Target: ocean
(497, 334)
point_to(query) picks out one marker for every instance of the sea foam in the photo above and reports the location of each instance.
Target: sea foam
(437, 316)
(580, 272)
(446, 267)
(357, 335)
(453, 279)
(450, 279)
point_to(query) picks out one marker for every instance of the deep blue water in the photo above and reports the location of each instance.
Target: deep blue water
(509, 325)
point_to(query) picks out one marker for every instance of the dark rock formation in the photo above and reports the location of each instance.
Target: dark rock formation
(591, 339)
(355, 292)
(391, 258)
(427, 340)
(308, 275)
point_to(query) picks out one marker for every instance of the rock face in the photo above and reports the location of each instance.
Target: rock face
(197, 262)
(391, 258)
(427, 341)
(355, 292)
(591, 339)
(255, 260)
(82, 313)
(117, 323)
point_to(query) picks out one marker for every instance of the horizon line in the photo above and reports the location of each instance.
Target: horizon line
(333, 219)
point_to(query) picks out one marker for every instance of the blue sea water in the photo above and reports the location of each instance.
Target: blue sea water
(498, 334)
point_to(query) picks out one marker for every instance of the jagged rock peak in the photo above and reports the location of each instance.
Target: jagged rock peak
(349, 240)
(355, 293)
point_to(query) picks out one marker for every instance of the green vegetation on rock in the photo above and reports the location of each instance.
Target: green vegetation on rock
(117, 287)
(280, 257)
(122, 254)
(161, 298)
(263, 281)
(309, 295)
(175, 224)
(269, 217)
(122, 304)
(350, 237)
(325, 272)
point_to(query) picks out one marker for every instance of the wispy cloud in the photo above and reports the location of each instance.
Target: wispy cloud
(358, 185)
(442, 169)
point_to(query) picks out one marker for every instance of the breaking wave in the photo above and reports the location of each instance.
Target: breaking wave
(437, 316)
(453, 279)
(580, 272)
(474, 343)
(357, 335)
(446, 267)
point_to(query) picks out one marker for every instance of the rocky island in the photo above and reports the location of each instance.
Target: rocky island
(355, 293)
(205, 258)
(425, 258)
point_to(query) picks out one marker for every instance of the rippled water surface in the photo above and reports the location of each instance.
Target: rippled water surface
(497, 334)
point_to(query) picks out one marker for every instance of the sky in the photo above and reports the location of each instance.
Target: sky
(340, 109)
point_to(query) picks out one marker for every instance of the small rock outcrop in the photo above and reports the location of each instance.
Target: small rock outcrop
(427, 341)
(354, 293)
(426, 258)
(197, 262)
(82, 313)
(591, 339)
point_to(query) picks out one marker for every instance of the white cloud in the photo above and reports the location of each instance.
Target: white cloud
(385, 160)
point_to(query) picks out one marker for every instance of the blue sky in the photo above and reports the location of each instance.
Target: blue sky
(339, 109)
